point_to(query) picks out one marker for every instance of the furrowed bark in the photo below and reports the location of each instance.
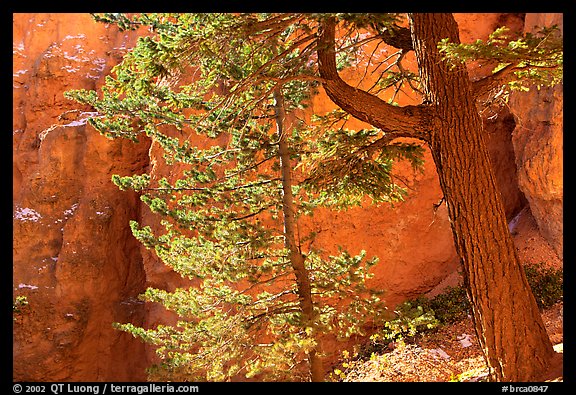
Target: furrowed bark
(506, 316)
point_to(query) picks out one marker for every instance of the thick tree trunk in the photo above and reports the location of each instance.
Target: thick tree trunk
(507, 319)
(506, 316)
(290, 236)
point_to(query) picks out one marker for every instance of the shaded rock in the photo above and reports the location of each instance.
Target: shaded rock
(538, 145)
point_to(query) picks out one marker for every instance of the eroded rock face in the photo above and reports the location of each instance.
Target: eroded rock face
(74, 258)
(538, 145)
(74, 255)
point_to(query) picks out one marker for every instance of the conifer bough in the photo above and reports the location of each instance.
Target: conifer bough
(223, 94)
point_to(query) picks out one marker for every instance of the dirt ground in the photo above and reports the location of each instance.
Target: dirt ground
(451, 353)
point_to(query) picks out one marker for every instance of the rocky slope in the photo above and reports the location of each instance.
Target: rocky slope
(73, 254)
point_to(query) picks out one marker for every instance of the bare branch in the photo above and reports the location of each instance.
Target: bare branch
(407, 120)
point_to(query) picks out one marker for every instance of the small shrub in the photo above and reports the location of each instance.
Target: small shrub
(412, 317)
(451, 306)
(423, 314)
(547, 284)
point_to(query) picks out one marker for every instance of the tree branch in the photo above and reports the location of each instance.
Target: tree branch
(501, 77)
(407, 121)
(486, 84)
(399, 37)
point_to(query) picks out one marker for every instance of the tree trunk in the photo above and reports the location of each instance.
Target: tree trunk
(507, 320)
(290, 237)
(506, 316)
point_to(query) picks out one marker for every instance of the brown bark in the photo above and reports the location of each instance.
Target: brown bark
(290, 236)
(398, 37)
(393, 120)
(507, 319)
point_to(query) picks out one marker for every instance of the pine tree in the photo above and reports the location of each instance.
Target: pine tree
(261, 301)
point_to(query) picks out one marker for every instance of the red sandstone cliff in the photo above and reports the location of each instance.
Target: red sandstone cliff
(80, 268)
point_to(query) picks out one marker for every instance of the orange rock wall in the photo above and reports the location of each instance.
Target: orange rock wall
(538, 145)
(74, 256)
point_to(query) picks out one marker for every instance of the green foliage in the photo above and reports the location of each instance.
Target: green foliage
(344, 165)
(547, 284)
(18, 304)
(223, 216)
(201, 86)
(479, 375)
(450, 306)
(255, 329)
(410, 318)
(537, 57)
(453, 305)
(423, 314)
(372, 20)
